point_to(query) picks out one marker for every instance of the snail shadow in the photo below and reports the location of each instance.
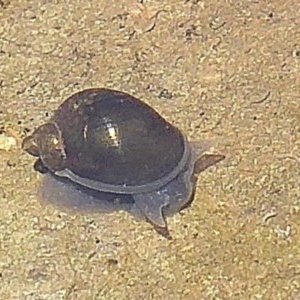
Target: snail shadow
(70, 197)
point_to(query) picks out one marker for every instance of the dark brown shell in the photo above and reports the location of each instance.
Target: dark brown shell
(114, 138)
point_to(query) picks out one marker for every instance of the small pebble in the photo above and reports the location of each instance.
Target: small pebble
(7, 142)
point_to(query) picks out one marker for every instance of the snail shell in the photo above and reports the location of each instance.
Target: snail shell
(110, 142)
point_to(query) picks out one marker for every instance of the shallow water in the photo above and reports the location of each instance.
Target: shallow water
(232, 76)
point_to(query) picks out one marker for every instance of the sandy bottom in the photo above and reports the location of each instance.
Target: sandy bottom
(225, 73)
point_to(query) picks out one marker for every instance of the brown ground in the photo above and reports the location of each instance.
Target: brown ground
(221, 71)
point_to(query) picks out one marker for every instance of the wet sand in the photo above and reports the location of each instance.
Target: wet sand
(225, 73)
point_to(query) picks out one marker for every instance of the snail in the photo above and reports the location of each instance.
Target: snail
(109, 145)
